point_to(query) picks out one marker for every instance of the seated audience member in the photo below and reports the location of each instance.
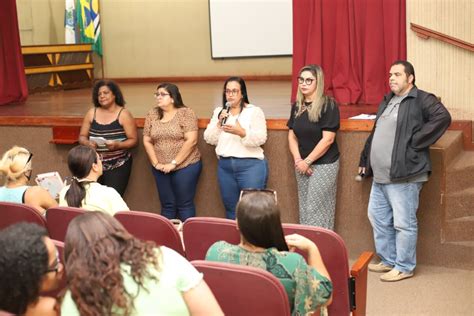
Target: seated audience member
(140, 278)
(263, 245)
(15, 169)
(29, 265)
(84, 191)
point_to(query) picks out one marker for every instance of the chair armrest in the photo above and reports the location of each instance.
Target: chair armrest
(359, 276)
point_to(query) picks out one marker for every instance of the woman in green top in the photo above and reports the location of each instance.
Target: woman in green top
(110, 272)
(263, 245)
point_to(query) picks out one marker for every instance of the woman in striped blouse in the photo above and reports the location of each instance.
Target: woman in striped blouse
(108, 119)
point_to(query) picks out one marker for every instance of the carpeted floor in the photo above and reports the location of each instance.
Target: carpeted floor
(432, 291)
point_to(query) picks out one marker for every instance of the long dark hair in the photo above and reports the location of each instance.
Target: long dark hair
(79, 161)
(113, 86)
(96, 245)
(243, 89)
(173, 90)
(259, 222)
(23, 264)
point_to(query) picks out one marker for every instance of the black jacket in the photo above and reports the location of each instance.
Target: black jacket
(422, 120)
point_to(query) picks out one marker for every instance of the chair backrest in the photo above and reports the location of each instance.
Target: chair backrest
(244, 290)
(334, 253)
(62, 284)
(58, 219)
(199, 233)
(150, 226)
(11, 213)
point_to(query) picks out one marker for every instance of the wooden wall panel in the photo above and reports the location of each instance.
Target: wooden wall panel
(440, 68)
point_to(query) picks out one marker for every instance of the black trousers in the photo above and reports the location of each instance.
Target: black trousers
(117, 178)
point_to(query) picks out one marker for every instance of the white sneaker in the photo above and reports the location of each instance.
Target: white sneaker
(379, 267)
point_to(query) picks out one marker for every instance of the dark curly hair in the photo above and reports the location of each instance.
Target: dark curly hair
(23, 263)
(96, 245)
(113, 86)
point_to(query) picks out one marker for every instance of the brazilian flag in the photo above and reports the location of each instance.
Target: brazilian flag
(88, 20)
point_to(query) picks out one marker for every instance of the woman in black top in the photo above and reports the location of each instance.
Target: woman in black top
(313, 124)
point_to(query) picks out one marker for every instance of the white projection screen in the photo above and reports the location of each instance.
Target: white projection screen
(250, 28)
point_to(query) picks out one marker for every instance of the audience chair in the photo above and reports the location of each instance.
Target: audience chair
(244, 290)
(63, 283)
(150, 226)
(58, 218)
(11, 213)
(350, 290)
(199, 233)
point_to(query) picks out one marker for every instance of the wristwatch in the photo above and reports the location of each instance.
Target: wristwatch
(173, 162)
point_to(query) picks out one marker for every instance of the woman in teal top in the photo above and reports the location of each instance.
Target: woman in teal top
(264, 246)
(16, 169)
(139, 278)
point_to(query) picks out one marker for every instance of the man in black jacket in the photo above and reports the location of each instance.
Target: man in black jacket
(397, 155)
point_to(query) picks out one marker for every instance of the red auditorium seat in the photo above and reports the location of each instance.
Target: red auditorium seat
(150, 226)
(243, 290)
(11, 213)
(58, 218)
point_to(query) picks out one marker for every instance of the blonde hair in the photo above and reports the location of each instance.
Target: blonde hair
(320, 101)
(14, 164)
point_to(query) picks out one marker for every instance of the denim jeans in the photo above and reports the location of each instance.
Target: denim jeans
(177, 190)
(392, 213)
(235, 174)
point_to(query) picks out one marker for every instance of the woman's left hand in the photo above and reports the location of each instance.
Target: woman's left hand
(236, 129)
(167, 168)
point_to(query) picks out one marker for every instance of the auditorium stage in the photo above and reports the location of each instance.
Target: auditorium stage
(272, 96)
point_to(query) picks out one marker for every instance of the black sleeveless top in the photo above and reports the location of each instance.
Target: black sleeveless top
(115, 132)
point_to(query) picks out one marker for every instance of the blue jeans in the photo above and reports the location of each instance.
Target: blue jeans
(392, 213)
(235, 174)
(177, 190)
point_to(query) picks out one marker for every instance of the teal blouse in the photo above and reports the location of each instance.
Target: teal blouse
(307, 289)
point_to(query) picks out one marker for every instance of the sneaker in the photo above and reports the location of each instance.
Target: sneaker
(395, 275)
(379, 267)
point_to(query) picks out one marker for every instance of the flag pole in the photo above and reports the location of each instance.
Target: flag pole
(102, 42)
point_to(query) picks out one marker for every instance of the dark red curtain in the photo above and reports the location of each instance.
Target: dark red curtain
(13, 87)
(355, 42)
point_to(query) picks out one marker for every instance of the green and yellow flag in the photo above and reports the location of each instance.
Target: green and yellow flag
(88, 20)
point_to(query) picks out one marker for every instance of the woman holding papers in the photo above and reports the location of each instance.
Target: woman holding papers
(313, 124)
(84, 191)
(110, 129)
(170, 138)
(16, 169)
(238, 130)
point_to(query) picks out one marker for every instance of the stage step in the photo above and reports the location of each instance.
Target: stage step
(459, 229)
(460, 204)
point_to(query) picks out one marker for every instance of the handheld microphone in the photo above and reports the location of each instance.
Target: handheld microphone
(359, 177)
(225, 108)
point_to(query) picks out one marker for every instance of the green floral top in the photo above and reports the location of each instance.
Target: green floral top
(307, 289)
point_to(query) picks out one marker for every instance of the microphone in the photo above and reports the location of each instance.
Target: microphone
(359, 177)
(225, 108)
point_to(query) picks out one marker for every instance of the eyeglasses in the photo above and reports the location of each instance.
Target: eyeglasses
(231, 92)
(265, 191)
(308, 81)
(160, 94)
(29, 158)
(55, 265)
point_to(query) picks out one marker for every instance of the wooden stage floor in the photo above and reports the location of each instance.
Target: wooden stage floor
(272, 96)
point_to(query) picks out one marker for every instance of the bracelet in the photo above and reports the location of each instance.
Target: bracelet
(154, 166)
(308, 161)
